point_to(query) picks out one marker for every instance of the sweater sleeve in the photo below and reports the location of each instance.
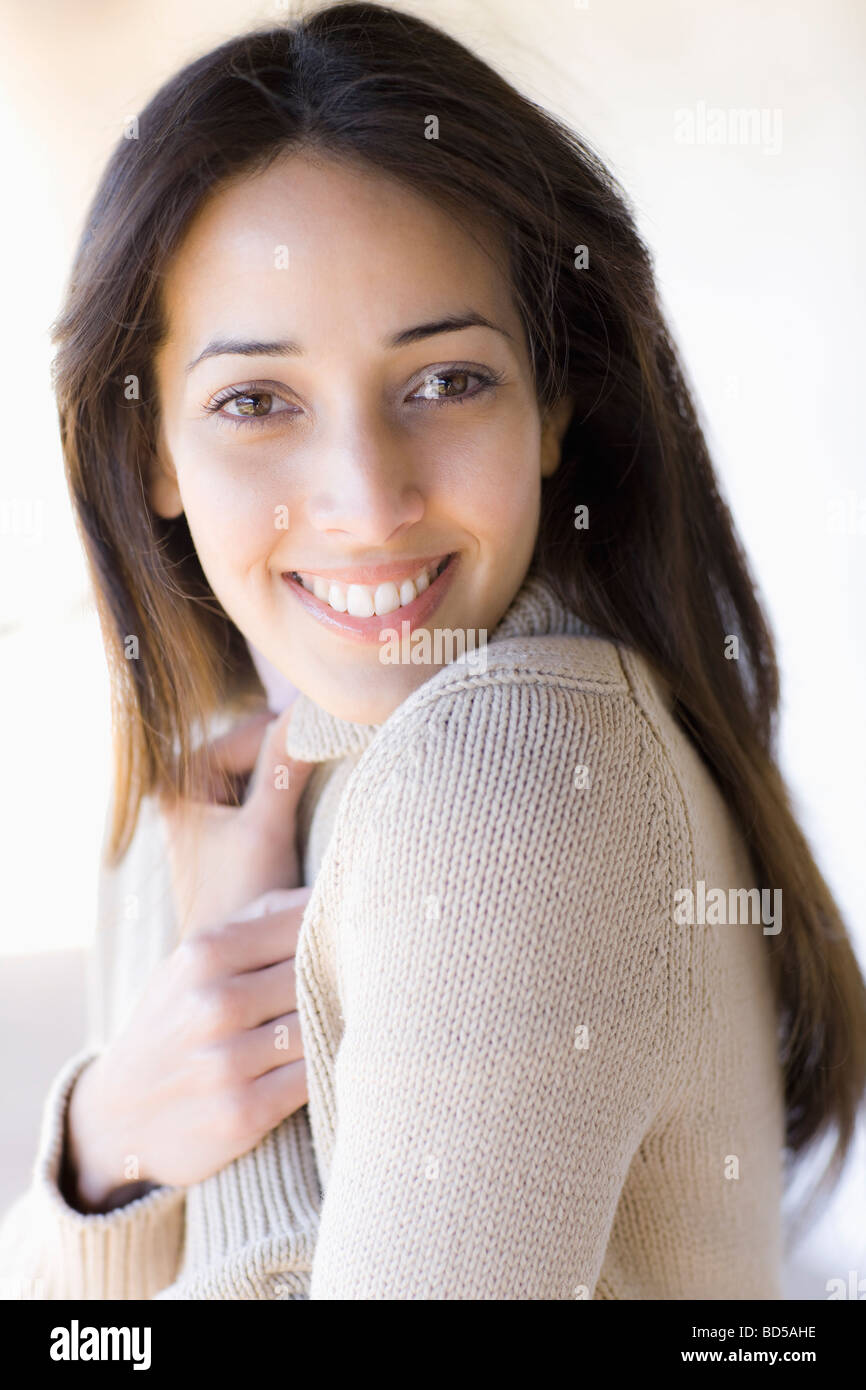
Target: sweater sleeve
(514, 1012)
(48, 1250)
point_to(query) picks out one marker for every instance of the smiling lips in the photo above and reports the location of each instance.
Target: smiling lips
(367, 600)
(354, 608)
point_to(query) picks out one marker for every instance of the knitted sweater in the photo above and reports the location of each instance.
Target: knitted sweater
(527, 1079)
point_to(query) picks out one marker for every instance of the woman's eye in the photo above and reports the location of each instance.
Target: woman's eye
(256, 405)
(452, 386)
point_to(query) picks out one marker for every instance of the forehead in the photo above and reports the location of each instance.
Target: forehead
(323, 242)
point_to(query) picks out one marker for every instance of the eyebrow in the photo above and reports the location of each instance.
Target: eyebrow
(284, 347)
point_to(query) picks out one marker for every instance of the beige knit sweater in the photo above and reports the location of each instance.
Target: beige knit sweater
(526, 1079)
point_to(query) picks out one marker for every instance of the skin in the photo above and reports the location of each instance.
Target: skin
(368, 467)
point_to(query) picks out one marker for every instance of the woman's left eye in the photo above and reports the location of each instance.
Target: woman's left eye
(432, 386)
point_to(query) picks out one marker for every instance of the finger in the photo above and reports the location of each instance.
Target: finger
(277, 781)
(273, 1044)
(281, 1090)
(265, 993)
(253, 943)
(230, 757)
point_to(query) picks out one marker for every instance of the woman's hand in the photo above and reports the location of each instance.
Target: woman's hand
(223, 857)
(211, 1059)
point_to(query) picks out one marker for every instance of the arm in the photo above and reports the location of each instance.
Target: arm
(503, 954)
(49, 1248)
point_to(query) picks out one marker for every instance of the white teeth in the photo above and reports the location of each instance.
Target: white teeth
(386, 599)
(337, 598)
(363, 600)
(359, 601)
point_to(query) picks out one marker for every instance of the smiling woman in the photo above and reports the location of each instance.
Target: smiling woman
(420, 1016)
(398, 314)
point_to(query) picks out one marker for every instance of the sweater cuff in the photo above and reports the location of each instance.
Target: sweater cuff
(251, 1226)
(127, 1253)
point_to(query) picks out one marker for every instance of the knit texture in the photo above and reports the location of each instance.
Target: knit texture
(526, 1079)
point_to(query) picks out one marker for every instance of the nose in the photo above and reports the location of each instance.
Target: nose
(364, 487)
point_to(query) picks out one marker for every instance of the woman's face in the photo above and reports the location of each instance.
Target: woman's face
(328, 412)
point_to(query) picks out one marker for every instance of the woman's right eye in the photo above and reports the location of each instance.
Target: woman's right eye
(244, 405)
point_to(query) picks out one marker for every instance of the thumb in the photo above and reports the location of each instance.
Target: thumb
(277, 780)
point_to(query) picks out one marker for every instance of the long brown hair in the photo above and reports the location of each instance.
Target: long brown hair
(659, 568)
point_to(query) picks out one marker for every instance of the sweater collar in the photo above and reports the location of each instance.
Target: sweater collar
(314, 735)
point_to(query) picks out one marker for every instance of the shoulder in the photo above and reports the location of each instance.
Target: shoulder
(531, 695)
(571, 731)
(511, 665)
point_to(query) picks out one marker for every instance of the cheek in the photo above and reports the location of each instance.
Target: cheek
(493, 485)
(232, 520)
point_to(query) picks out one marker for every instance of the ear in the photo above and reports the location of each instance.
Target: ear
(555, 422)
(163, 492)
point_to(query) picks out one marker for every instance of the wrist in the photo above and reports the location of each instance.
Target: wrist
(92, 1175)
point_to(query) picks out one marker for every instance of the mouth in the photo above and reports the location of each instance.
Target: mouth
(353, 610)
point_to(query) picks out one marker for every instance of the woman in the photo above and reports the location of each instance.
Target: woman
(501, 971)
